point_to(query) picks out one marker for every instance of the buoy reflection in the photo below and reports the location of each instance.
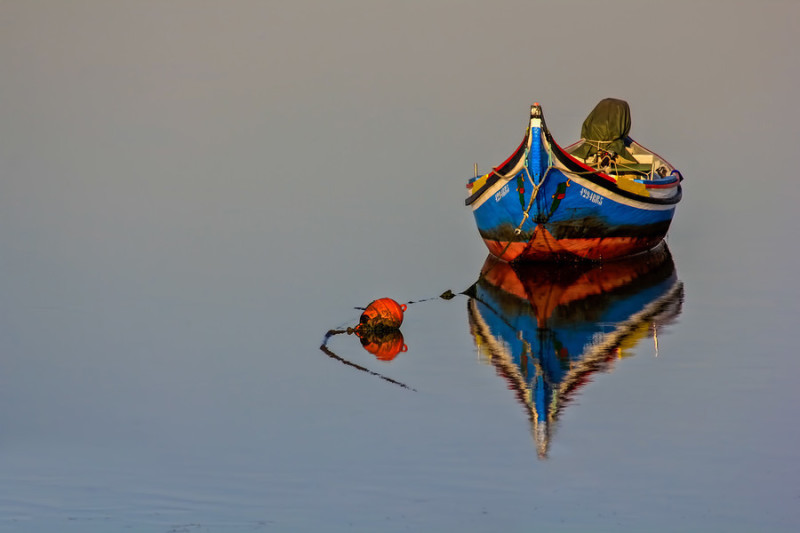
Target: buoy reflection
(384, 344)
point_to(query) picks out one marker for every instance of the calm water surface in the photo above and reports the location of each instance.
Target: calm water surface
(193, 196)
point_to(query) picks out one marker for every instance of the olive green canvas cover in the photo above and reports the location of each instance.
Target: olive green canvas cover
(605, 129)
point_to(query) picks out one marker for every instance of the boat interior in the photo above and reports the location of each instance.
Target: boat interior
(645, 165)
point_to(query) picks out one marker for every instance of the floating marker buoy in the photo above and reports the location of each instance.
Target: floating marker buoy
(383, 313)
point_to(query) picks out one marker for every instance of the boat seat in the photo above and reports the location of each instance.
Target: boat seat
(632, 168)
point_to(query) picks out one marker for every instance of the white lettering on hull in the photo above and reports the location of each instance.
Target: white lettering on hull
(592, 196)
(502, 192)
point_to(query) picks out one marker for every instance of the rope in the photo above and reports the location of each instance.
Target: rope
(612, 163)
(534, 194)
(596, 144)
(625, 166)
(508, 176)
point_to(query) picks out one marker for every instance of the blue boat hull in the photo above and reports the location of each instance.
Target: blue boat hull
(544, 204)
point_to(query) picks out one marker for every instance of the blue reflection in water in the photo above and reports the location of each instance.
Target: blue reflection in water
(548, 328)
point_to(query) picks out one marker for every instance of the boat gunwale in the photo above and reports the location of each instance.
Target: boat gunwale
(499, 172)
(582, 170)
(600, 178)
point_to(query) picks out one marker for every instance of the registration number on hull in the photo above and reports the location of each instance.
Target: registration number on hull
(592, 196)
(502, 192)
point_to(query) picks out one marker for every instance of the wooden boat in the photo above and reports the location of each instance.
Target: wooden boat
(547, 329)
(603, 197)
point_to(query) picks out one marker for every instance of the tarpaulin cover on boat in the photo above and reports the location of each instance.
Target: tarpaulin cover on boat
(605, 129)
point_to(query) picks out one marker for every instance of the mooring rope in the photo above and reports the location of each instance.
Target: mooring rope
(534, 194)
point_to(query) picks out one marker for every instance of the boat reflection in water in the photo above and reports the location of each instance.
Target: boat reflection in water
(548, 328)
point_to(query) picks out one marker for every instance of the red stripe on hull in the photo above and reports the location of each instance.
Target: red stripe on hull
(544, 247)
(609, 247)
(505, 250)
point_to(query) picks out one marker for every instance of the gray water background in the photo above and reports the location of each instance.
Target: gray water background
(193, 193)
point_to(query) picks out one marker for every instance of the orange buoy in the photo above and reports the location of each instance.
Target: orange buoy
(384, 347)
(383, 313)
